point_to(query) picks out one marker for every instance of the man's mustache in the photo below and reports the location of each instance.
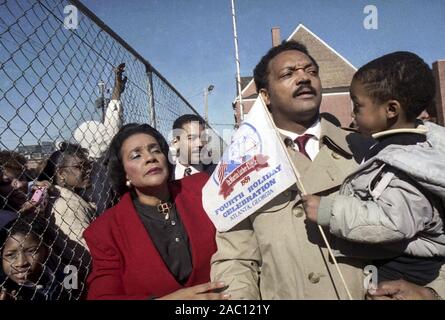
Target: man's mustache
(302, 88)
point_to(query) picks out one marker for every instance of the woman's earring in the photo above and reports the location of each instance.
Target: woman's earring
(128, 183)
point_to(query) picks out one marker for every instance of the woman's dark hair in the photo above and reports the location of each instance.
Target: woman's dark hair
(58, 158)
(12, 160)
(116, 168)
(15, 162)
(401, 76)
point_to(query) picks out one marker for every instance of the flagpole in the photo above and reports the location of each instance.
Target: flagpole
(238, 76)
(303, 192)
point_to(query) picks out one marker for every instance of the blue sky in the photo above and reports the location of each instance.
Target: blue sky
(191, 41)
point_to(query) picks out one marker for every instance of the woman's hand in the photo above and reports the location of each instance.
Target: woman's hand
(400, 290)
(38, 206)
(205, 291)
(44, 184)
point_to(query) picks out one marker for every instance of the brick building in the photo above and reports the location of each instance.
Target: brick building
(439, 74)
(336, 74)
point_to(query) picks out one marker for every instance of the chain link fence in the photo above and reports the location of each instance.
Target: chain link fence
(57, 70)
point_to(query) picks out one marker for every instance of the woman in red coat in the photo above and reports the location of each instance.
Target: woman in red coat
(157, 241)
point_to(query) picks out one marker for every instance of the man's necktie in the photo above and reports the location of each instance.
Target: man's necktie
(301, 143)
(187, 172)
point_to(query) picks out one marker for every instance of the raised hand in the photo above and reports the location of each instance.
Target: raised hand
(119, 81)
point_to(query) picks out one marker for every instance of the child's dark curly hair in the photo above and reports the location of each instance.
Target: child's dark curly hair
(401, 76)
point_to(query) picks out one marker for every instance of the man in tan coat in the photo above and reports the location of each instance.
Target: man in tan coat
(275, 254)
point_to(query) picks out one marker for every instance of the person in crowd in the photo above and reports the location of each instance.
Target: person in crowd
(397, 197)
(156, 243)
(190, 146)
(275, 253)
(24, 250)
(16, 188)
(14, 181)
(67, 170)
(95, 136)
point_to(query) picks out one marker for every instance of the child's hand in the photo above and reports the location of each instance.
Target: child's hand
(311, 204)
